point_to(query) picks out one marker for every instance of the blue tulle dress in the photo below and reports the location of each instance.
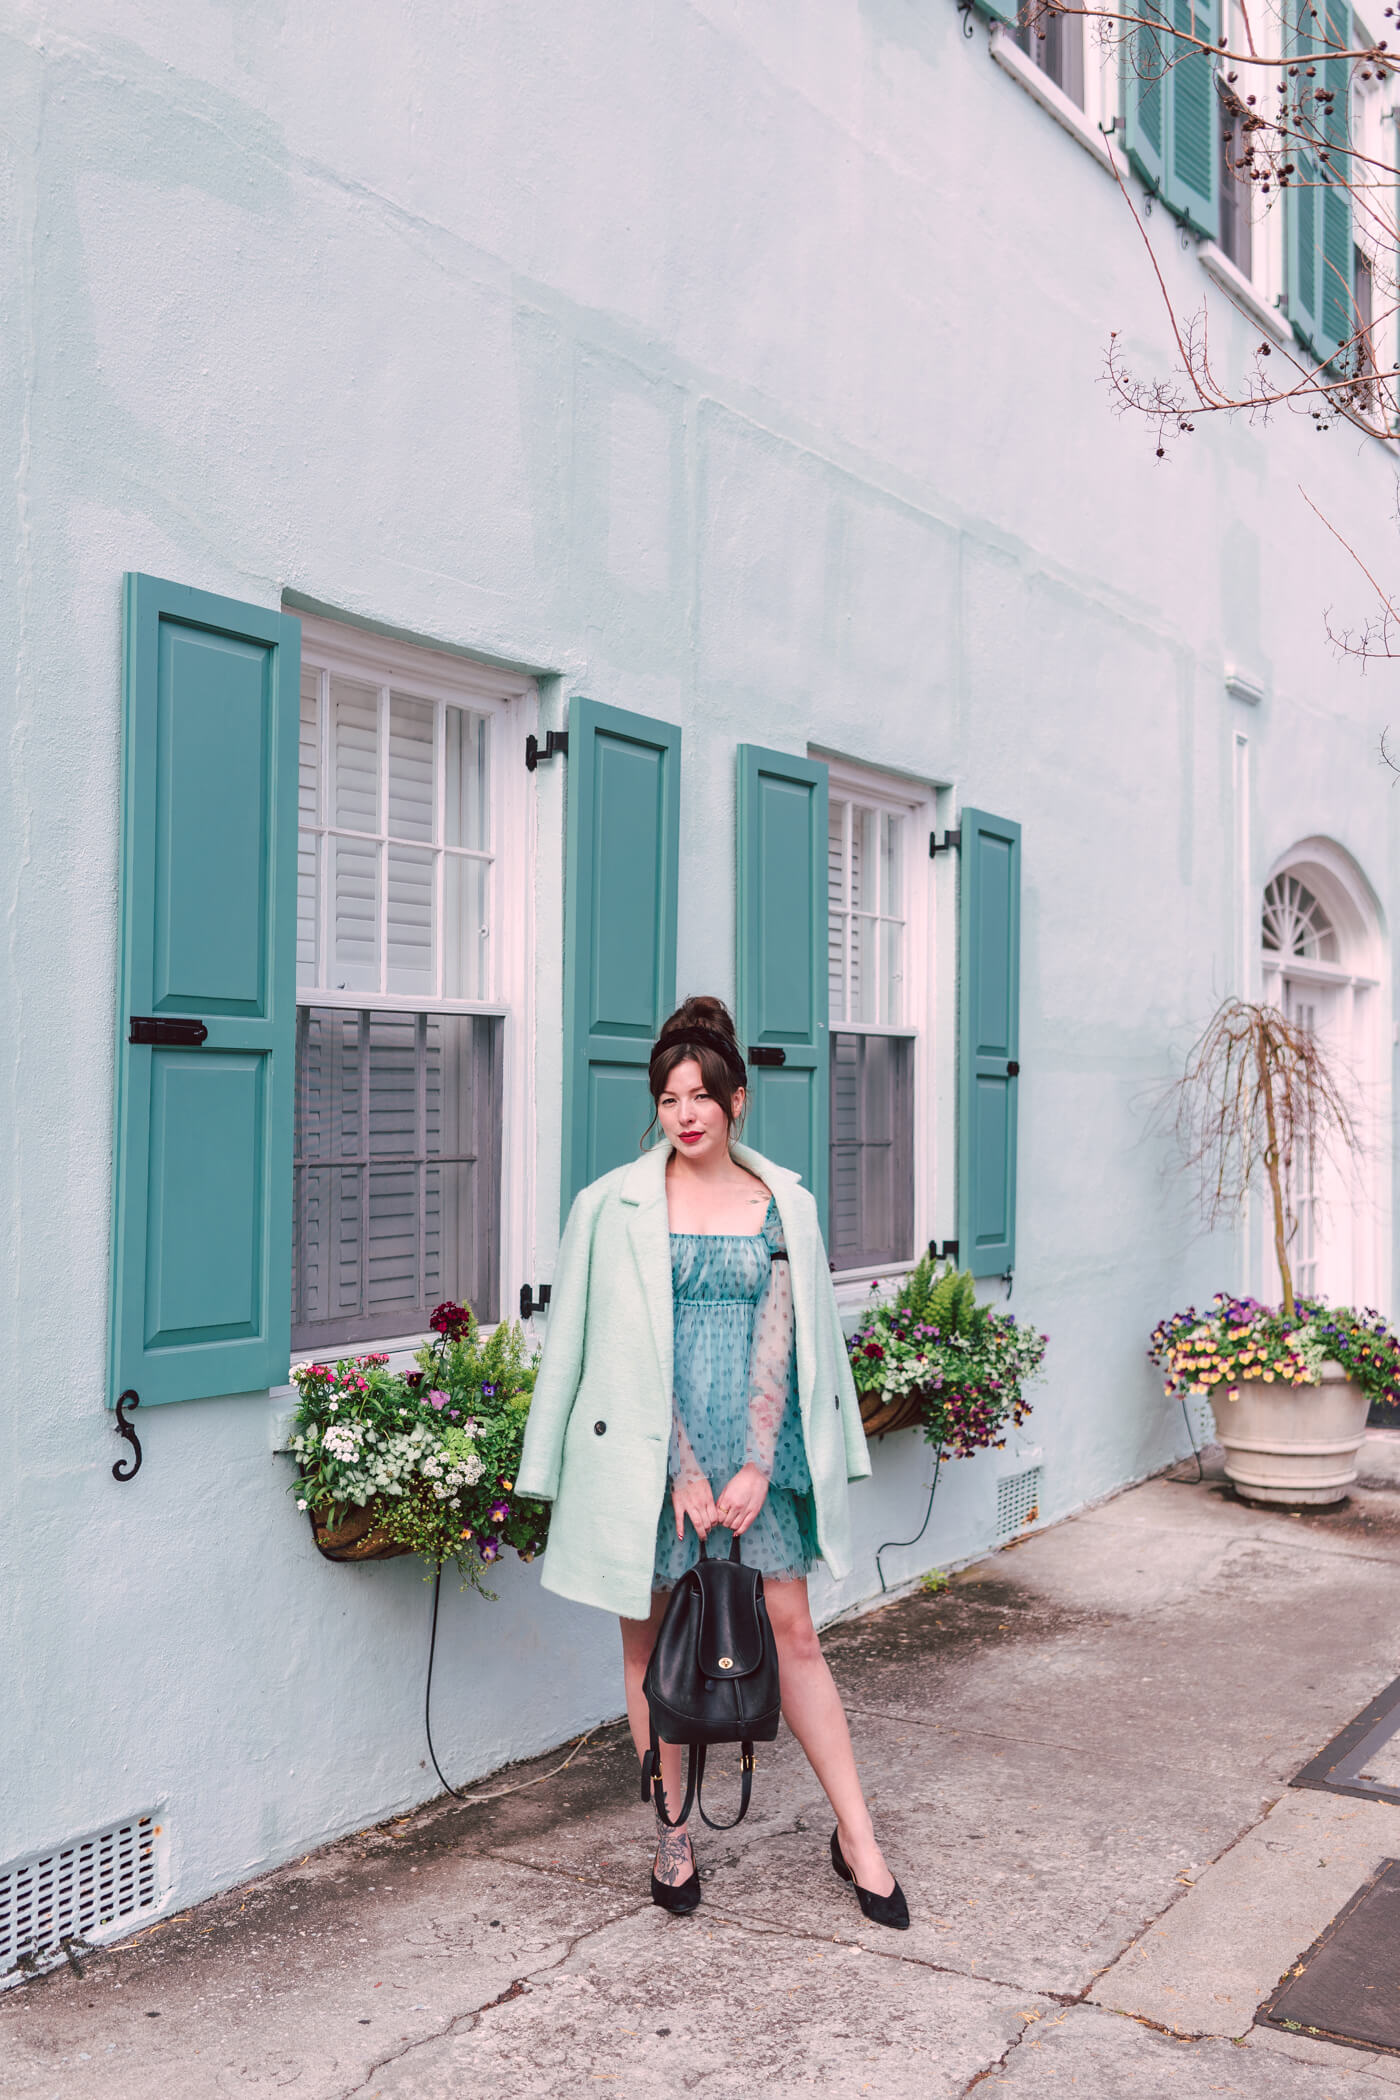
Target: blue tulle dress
(736, 1397)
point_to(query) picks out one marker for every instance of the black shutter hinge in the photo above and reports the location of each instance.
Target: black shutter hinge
(948, 1251)
(127, 1468)
(951, 842)
(529, 1303)
(555, 745)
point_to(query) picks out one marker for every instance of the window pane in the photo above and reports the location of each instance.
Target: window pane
(355, 754)
(412, 787)
(308, 813)
(865, 854)
(355, 932)
(468, 752)
(864, 972)
(835, 914)
(411, 871)
(465, 960)
(891, 972)
(872, 1150)
(892, 866)
(397, 1173)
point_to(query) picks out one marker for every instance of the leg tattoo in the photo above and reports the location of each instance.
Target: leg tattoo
(674, 1863)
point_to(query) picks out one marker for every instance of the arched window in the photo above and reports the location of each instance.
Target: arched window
(1296, 922)
(1321, 961)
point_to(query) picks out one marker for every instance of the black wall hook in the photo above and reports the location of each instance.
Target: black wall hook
(127, 1468)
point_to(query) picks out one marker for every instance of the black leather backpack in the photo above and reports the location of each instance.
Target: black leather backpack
(712, 1678)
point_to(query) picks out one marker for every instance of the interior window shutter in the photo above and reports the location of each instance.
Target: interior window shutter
(1192, 158)
(201, 1294)
(782, 1017)
(1145, 87)
(989, 936)
(622, 871)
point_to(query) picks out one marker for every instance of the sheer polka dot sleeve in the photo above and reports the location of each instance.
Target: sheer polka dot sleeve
(770, 1364)
(684, 1466)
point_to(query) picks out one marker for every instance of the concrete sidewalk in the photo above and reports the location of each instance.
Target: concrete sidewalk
(1078, 1756)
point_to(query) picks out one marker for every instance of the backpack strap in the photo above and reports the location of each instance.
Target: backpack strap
(654, 1791)
(745, 1787)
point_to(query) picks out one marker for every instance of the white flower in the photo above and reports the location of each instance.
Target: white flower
(301, 1505)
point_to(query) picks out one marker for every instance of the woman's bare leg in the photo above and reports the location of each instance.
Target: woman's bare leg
(674, 1860)
(813, 1711)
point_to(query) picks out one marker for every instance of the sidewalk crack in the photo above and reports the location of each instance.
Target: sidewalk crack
(465, 2022)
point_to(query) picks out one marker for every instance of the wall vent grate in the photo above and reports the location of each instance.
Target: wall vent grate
(1018, 1500)
(77, 1890)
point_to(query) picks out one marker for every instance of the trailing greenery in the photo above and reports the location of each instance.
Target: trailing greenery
(433, 1452)
(1240, 1340)
(968, 1362)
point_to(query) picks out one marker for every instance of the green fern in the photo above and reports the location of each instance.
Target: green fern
(945, 1298)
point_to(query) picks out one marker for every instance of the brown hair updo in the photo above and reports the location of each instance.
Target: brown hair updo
(703, 1030)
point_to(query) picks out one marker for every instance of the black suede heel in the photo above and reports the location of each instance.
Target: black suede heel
(891, 1910)
(680, 1901)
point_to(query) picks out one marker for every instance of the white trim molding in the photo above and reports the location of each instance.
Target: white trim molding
(1042, 89)
(1241, 293)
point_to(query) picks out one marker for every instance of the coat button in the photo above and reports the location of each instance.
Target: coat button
(599, 1428)
(838, 1403)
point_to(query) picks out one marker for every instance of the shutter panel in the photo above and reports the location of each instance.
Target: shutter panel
(1145, 91)
(201, 1291)
(1336, 289)
(783, 989)
(621, 876)
(999, 10)
(989, 931)
(1193, 123)
(1303, 215)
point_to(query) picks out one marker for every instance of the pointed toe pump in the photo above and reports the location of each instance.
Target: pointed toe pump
(891, 1910)
(681, 1900)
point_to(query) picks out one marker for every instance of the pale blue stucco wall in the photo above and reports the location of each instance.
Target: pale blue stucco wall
(736, 364)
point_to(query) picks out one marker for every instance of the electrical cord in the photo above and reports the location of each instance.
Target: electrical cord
(889, 1543)
(457, 1793)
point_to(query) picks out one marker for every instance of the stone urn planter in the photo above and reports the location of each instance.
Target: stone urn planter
(358, 1536)
(1292, 1444)
(879, 1416)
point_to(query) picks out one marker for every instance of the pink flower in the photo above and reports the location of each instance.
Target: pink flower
(437, 1399)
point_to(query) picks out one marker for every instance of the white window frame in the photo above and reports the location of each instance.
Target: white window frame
(1361, 981)
(914, 801)
(511, 700)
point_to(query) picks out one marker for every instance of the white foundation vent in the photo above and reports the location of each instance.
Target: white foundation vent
(78, 1891)
(1018, 1500)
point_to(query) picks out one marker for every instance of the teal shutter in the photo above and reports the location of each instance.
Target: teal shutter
(1321, 290)
(1145, 55)
(999, 10)
(202, 1259)
(989, 970)
(1192, 186)
(1172, 111)
(782, 959)
(621, 877)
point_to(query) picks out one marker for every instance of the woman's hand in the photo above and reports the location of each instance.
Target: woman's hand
(691, 1497)
(740, 1503)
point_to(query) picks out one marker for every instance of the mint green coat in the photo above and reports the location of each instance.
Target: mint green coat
(599, 1432)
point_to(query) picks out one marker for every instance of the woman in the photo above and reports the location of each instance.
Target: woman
(694, 1384)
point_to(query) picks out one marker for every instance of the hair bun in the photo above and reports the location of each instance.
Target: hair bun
(703, 1011)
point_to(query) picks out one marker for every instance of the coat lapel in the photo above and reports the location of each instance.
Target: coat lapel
(643, 1192)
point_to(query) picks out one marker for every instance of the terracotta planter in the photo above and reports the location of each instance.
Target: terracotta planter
(358, 1536)
(1292, 1443)
(879, 1416)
